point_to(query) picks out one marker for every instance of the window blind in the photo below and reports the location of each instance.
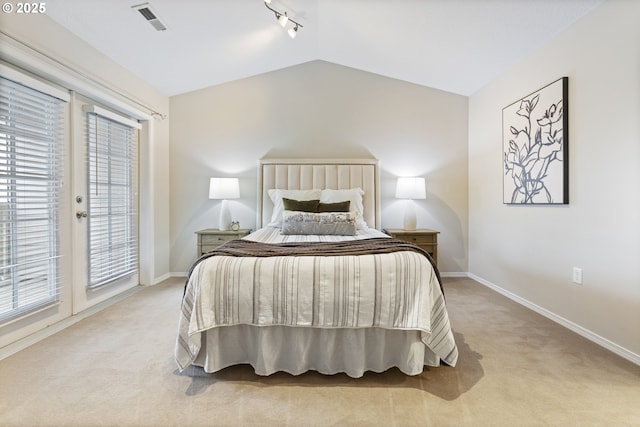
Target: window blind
(31, 161)
(112, 164)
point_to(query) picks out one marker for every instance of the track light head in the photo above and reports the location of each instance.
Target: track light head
(284, 19)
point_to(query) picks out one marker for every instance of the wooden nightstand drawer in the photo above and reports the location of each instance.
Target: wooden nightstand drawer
(420, 239)
(424, 238)
(216, 240)
(211, 238)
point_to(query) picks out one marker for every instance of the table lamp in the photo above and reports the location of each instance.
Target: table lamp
(411, 189)
(224, 189)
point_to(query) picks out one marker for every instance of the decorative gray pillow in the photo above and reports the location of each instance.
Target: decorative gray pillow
(333, 223)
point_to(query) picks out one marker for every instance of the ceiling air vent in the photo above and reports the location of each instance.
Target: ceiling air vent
(150, 16)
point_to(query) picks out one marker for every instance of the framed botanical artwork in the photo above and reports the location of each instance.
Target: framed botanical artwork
(535, 147)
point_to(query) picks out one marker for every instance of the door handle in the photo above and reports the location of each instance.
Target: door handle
(81, 214)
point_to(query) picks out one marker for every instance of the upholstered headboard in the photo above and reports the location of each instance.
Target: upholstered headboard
(306, 174)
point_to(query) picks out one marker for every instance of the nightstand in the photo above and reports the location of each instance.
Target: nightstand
(211, 238)
(425, 238)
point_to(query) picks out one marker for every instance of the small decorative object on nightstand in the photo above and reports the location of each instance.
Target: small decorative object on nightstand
(211, 238)
(425, 238)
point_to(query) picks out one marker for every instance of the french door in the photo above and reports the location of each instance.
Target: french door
(105, 203)
(68, 204)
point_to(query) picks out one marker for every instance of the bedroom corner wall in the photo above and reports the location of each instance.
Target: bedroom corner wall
(529, 251)
(320, 110)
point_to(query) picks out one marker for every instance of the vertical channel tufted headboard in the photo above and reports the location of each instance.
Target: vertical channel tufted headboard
(306, 174)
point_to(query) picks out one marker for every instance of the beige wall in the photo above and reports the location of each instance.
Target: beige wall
(530, 251)
(319, 109)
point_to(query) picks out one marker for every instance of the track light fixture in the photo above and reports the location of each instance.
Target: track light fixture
(284, 19)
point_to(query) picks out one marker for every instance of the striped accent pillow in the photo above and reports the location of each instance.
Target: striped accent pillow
(324, 223)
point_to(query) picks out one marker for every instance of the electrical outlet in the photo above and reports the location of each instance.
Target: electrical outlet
(577, 275)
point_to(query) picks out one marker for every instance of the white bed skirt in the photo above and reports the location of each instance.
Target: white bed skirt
(329, 351)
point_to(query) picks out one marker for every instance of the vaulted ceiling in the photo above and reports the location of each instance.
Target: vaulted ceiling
(453, 45)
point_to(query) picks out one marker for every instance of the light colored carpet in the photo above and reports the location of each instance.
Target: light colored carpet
(516, 368)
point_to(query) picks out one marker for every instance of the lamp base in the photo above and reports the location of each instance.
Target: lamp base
(224, 223)
(410, 220)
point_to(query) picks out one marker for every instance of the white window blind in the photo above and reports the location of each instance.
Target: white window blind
(31, 157)
(112, 163)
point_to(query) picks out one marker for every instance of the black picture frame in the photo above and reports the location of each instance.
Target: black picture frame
(535, 147)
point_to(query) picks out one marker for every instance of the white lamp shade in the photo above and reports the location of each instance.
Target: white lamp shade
(224, 188)
(411, 188)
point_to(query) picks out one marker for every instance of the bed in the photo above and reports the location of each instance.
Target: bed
(301, 293)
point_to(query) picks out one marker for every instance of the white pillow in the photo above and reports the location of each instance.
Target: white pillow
(276, 196)
(354, 195)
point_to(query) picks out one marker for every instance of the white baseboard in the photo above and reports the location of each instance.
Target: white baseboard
(160, 279)
(591, 336)
(178, 274)
(453, 274)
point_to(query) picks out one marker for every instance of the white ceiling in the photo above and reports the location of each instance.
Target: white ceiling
(453, 45)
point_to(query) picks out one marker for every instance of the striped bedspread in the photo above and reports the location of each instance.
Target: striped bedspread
(398, 290)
